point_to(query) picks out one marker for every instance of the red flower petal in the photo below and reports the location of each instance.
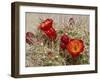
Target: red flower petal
(75, 47)
(51, 33)
(46, 25)
(62, 45)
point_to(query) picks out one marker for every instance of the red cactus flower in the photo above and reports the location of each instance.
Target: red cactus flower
(75, 47)
(29, 37)
(65, 39)
(47, 28)
(51, 34)
(47, 24)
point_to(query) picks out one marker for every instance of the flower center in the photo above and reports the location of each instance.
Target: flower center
(75, 48)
